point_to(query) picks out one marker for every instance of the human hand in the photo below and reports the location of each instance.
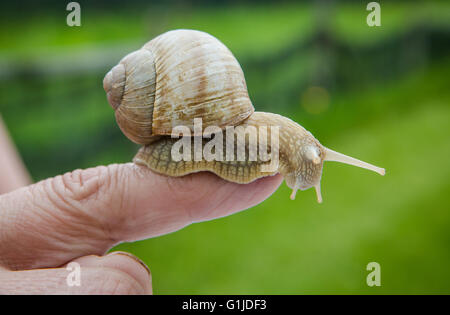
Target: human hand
(79, 216)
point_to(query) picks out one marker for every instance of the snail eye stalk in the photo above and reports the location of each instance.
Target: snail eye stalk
(318, 193)
(331, 155)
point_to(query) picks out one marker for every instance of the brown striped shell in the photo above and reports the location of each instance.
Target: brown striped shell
(176, 77)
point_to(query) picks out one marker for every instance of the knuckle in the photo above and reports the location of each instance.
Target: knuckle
(89, 196)
(81, 185)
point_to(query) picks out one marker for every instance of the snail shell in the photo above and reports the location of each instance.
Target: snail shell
(177, 76)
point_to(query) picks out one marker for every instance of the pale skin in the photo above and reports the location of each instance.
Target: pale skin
(80, 215)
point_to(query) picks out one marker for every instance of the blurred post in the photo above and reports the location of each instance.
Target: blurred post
(13, 173)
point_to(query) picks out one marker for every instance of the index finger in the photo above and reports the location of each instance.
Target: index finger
(89, 211)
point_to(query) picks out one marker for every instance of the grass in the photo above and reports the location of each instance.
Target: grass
(278, 26)
(350, 19)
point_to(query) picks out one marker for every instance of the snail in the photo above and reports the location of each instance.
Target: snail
(184, 75)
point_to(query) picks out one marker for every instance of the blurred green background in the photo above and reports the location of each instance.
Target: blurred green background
(380, 94)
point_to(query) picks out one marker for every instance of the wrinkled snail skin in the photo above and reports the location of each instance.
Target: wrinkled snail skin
(157, 155)
(185, 74)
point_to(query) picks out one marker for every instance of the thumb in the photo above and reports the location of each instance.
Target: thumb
(116, 273)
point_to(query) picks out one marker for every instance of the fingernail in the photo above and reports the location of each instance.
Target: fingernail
(134, 257)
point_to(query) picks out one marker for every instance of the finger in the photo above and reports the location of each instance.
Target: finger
(13, 173)
(116, 273)
(88, 211)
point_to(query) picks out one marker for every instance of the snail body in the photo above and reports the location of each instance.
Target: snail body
(183, 75)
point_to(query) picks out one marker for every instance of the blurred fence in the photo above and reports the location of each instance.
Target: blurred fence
(55, 106)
